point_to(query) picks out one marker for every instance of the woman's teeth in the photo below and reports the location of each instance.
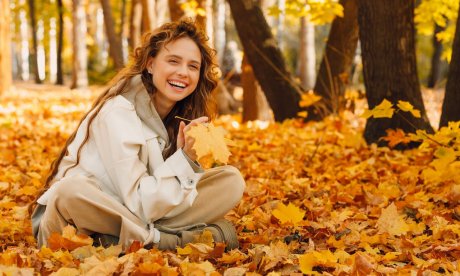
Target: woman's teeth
(177, 84)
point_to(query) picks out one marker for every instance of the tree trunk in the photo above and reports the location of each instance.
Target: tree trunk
(175, 11)
(435, 70)
(266, 59)
(450, 110)
(389, 65)
(201, 19)
(161, 8)
(115, 48)
(336, 63)
(5, 47)
(24, 46)
(250, 87)
(255, 106)
(206, 21)
(79, 74)
(307, 59)
(33, 53)
(122, 21)
(147, 16)
(59, 73)
(280, 24)
(135, 24)
(219, 31)
(224, 100)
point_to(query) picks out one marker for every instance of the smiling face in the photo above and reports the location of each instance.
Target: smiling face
(176, 72)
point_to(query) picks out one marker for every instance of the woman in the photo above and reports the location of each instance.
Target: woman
(129, 171)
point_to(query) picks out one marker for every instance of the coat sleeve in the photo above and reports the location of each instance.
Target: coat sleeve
(118, 135)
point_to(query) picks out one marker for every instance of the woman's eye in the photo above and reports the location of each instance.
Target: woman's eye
(194, 67)
(173, 61)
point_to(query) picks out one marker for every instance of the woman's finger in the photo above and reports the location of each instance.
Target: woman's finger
(197, 121)
(181, 135)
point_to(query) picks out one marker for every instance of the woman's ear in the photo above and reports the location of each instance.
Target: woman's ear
(150, 66)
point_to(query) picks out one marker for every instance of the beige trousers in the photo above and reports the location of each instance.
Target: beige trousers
(79, 201)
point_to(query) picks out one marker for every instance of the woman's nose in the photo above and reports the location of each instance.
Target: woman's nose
(182, 70)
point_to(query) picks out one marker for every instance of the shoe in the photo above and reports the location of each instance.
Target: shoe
(223, 231)
(104, 240)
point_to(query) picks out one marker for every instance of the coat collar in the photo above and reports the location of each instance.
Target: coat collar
(140, 98)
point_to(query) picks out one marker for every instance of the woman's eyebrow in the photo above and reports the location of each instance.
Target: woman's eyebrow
(179, 57)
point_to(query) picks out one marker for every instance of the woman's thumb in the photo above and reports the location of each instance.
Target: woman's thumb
(180, 135)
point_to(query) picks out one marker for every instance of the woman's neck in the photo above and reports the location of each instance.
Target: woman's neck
(162, 107)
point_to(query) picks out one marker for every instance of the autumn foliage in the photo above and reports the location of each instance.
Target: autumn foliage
(318, 200)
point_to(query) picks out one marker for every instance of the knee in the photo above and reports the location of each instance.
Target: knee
(236, 184)
(69, 190)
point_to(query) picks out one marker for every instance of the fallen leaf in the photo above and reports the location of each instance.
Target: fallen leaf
(288, 214)
(391, 222)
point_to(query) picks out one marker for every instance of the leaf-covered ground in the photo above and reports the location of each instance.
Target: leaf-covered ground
(318, 200)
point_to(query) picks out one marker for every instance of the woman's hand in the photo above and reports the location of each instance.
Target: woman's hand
(185, 142)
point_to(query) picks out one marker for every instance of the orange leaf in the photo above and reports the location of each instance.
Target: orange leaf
(68, 240)
(395, 137)
(134, 247)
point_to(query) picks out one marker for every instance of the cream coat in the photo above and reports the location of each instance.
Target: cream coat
(124, 152)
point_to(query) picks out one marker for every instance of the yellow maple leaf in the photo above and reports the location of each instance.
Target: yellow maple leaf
(308, 99)
(391, 222)
(288, 214)
(383, 110)
(302, 114)
(316, 258)
(445, 156)
(204, 268)
(210, 141)
(187, 250)
(408, 107)
(367, 114)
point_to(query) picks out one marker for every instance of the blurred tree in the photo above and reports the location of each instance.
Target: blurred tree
(115, 47)
(443, 13)
(175, 10)
(135, 20)
(5, 50)
(435, 69)
(60, 44)
(79, 58)
(307, 56)
(389, 66)
(255, 105)
(450, 110)
(153, 14)
(33, 53)
(335, 67)
(148, 10)
(204, 18)
(282, 93)
(219, 29)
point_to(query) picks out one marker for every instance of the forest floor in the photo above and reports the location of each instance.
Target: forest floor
(318, 199)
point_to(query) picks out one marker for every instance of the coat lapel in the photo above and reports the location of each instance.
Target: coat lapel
(138, 96)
